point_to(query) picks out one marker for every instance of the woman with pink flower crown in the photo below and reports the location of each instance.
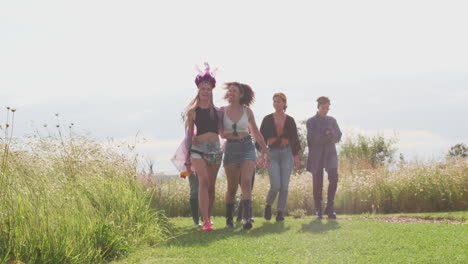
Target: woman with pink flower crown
(201, 148)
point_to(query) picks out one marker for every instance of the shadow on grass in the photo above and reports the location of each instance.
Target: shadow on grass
(265, 229)
(319, 226)
(193, 236)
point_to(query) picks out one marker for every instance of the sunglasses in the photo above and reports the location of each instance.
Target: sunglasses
(234, 128)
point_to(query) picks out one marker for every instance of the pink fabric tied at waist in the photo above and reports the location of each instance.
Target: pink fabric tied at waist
(180, 156)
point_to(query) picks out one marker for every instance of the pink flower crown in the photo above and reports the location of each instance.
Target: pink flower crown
(206, 75)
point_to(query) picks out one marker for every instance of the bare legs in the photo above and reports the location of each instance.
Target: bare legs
(206, 180)
(212, 173)
(235, 172)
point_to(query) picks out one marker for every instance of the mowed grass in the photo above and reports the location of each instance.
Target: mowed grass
(351, 239)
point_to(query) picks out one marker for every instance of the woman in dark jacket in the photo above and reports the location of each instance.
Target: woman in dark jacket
(280, 133)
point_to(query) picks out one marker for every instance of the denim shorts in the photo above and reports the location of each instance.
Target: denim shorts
(239, 151)
(209, 151)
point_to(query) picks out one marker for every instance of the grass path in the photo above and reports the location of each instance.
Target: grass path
(353, 239)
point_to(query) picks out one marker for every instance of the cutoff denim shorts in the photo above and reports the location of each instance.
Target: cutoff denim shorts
(209, 151)
(239, 151)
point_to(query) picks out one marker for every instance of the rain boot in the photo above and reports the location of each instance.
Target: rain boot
(194, 209)
(247, 218)
(229, 220)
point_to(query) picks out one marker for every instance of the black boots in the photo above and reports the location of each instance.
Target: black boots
(279, 216)
(194, 209)
(267, 212)
(229, 221)
(239, 212)
(247, 211)
(330, 211)
(318, 209)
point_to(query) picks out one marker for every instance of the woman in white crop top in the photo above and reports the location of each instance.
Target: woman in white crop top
(240, 158)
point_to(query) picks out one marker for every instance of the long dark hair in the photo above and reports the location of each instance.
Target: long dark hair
(248, 95)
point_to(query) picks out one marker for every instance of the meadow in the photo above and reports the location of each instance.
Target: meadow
(67, 198)
(408, 187)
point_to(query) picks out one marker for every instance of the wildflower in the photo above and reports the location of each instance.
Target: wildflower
(13, 110)
(7, 125)
(8, 108)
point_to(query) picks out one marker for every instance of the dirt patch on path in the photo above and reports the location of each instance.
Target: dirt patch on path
(406, 219)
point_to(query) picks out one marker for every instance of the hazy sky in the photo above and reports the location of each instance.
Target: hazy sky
(118, 67)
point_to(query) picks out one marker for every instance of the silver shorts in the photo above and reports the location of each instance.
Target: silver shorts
(209, 151)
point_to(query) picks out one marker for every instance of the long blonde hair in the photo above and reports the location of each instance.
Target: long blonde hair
(193, 104)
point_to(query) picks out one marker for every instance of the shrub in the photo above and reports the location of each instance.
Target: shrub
(409, 187)
(72, 200)
(361, 151)
(459, 150)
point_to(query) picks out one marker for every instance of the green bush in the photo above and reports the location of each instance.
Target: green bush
(361, 151)
(72, 201)
(459, 150)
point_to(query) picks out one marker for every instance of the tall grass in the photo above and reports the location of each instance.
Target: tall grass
(409, 187)
(69, 199)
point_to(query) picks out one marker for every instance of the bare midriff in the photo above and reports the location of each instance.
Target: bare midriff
(240, 135)
(208, 137)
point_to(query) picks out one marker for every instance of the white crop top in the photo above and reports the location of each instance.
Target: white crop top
(241, 126)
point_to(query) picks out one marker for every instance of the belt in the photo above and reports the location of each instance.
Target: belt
(240, 139)
(279, 146)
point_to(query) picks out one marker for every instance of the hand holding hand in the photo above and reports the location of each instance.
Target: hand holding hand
(266, 156)
(260, 161)
(297, 163)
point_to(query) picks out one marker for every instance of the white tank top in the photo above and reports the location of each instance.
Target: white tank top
(241, 126)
